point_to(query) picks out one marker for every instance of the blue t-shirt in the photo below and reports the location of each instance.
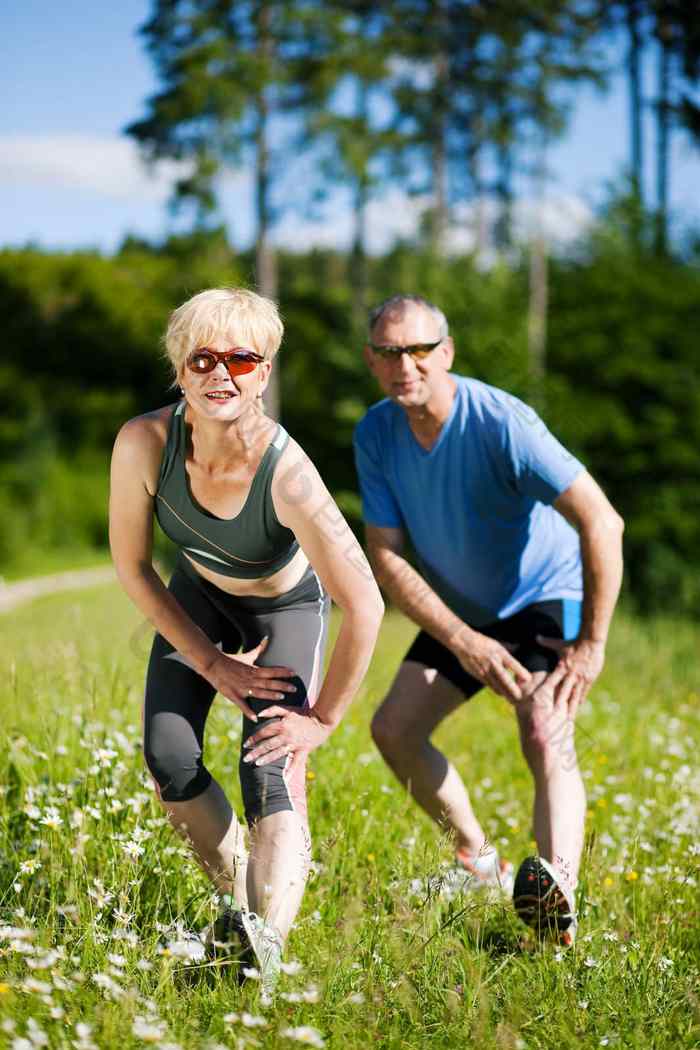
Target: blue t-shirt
(477, 506)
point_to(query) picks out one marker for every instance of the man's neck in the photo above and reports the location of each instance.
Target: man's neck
(426, 421)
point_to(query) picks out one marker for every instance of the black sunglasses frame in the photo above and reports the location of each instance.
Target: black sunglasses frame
(419, 350)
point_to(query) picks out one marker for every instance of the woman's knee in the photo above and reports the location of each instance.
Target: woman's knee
(275, 787)
(174, 759)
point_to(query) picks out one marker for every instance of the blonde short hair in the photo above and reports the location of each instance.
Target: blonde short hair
(252, 319)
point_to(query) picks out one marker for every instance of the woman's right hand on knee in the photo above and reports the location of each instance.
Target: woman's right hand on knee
(238, 678)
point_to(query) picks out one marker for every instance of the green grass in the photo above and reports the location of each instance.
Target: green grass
(392, 967)
(28, 563)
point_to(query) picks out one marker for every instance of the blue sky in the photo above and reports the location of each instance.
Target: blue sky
(76, 73)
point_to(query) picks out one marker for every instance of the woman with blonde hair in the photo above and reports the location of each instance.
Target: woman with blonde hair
(262, 549)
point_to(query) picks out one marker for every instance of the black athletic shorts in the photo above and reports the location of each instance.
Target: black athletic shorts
(558, 618)
(178, 700)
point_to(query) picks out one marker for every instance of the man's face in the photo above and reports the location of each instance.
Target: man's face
(407, 380)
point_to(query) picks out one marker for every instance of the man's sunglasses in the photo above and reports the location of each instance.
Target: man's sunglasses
(393, 353)
(237, 362)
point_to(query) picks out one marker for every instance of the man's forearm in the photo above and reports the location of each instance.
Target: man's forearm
(415, 598)
(482, 657)
(601, 555)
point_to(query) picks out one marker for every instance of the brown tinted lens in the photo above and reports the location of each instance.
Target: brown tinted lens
(202, 362)
(239, 364)
(420, 350)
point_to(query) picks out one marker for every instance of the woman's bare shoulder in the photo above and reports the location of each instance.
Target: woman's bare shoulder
(296, 481)
(151, 428)
(141, 440)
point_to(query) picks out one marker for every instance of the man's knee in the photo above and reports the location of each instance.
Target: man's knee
(547, 737)
(393, 734)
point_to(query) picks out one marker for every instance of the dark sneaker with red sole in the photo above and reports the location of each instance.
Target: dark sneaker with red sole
(543, 902)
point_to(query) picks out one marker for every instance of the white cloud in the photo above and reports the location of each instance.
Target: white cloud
(112, 167)
(109, 166)
(561, 216)
(392, 216)
(396, 216)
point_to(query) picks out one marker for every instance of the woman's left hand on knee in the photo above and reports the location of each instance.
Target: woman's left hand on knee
(292, 733)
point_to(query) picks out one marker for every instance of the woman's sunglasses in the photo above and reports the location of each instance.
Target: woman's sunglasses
(237, 362)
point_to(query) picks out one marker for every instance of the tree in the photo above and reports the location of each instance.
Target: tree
(672, 27)
(625, 394)
(633, 21)
(223, 74)
(678, 56)
(480, 78)
(342, 80)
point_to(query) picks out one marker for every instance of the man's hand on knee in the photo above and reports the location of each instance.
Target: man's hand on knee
(536, 691)
(492, 663)
(579, 665)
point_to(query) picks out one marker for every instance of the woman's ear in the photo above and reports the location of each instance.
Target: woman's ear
(264, 369)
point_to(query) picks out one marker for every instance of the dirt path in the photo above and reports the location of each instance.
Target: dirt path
(13, 594)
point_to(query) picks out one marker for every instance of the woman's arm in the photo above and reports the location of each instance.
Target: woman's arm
(135, 465)
(303, 503)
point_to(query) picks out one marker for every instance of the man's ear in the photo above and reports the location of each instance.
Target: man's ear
(447, 350)
(369, 357)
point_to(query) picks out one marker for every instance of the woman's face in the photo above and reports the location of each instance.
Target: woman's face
(217, 394)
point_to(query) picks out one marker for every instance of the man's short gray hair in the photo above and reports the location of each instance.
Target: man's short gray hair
(399, 302)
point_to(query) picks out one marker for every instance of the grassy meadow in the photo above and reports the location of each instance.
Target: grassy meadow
(96, 892)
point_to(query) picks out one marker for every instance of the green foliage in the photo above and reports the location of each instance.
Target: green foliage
(82, 342)
(622, 388)
(626, 395)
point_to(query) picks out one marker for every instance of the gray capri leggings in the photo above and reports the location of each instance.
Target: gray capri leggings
(178, 700)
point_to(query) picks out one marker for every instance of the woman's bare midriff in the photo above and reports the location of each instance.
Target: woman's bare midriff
(267, 587)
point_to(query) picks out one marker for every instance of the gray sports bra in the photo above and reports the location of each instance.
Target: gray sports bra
(252, 545)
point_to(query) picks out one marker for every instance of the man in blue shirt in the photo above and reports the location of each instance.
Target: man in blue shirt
(519, 559)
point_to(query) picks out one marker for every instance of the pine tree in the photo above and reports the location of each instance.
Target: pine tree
(223, 76)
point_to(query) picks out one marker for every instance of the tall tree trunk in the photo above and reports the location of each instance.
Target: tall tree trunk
(503, 230)
(265, 257)
(663, 115)
(476, 183)
(358, 252)
(538, 291)
(358, 257)
(635, 97)
(663, 129)
(440, 217)
(440, 223)
(537, 318)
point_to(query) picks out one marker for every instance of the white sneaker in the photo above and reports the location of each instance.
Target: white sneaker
(265, 950)
(486, 873)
